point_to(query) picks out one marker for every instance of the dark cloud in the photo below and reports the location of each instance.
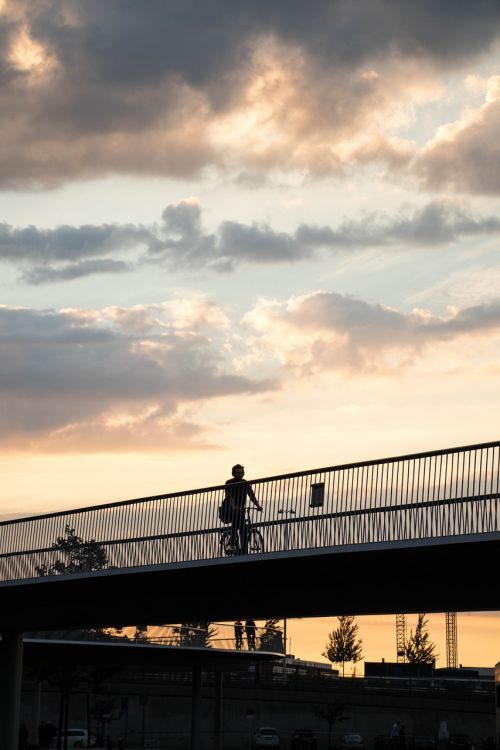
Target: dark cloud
(258, 244)
(123, 43)
(45, 275)
(79, 371)
(350, 33)
(66, 243)
(133, 88)
(66, 253)
(435, 224)
(180, 241)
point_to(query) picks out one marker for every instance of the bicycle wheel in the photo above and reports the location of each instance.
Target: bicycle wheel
(255, 541)
(225, 542)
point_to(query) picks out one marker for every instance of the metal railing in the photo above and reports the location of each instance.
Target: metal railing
(425, 495)
(215, 635)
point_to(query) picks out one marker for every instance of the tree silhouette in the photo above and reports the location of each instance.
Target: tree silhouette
(333, 713)
(195, 634)
(272, 636)
(67, 679)
(78, 556)
(419, 649)
(343, 643)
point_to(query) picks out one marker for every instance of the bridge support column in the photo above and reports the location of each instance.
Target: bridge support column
(195, 708)
(11, 672)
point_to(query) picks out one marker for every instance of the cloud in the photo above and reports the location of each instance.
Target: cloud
(97, 88)
(465, 155)
(437, 223)
(44, 275)
(66, 252)
(113, 377)
(67, 243)
(180, 241)
(133, 378)
(328, 331)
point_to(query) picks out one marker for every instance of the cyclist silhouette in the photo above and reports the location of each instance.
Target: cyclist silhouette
(237, 491)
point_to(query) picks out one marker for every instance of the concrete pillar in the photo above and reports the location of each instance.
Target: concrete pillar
(11, 672)
(196, 708)
(218, 709)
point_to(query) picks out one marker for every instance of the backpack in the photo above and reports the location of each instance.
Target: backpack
(226, 511)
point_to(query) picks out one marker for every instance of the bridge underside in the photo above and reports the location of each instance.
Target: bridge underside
(435, 575)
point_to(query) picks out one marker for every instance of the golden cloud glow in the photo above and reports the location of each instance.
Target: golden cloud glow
(450, 131)
(291, 116)
(29, 56)
(270, 90)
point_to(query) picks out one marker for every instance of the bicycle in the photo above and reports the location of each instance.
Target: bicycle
(254, 539)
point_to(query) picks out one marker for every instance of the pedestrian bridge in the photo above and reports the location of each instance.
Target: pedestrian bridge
(216, 636)
(409, 533)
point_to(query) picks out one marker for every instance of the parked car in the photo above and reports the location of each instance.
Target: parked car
(460, 742)
(352, 741)
(76, 738)
(266, 737)
(304, 739)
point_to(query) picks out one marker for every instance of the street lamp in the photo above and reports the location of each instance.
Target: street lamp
(286, 512)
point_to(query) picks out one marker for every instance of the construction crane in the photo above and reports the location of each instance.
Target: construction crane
(400, 637)
(451, 639)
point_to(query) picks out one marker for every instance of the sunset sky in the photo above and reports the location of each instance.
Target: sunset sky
(256, 231)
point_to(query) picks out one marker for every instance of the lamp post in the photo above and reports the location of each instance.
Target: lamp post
(286, 512)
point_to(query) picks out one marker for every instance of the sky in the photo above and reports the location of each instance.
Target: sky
(477, 638)
(243, 231)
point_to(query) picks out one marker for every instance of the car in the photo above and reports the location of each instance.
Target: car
(352, 741)
(304, 739)
(266, 737)
(460, 742)
(76, 738)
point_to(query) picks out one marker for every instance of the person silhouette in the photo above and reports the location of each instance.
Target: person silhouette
(237, 491)
(238, 634)
(402, 737)
(250, 628)
(46, 732)
(23, 737)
